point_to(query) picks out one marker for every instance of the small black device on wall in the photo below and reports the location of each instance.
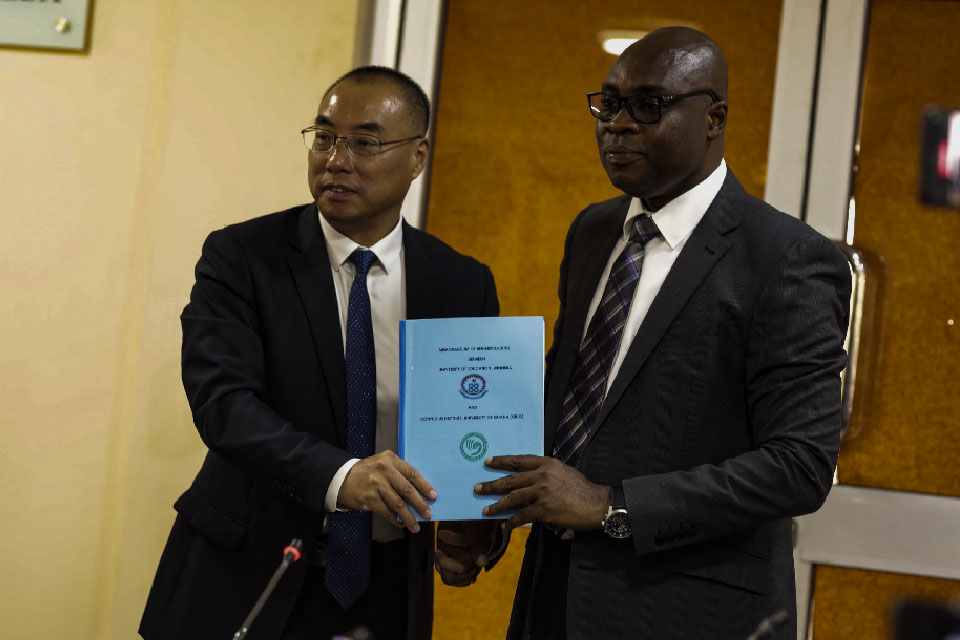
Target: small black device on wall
(940, 157)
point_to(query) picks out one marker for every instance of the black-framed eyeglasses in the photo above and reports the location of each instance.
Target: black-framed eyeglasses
(642, 108)
(360, 145)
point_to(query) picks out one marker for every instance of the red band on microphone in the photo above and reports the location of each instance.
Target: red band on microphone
(292, 549)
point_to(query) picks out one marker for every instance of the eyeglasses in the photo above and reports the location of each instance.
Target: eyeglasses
(360, 145)
(643, 109)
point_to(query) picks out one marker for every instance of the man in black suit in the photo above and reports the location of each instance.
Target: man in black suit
(290, 364)
(693, 384)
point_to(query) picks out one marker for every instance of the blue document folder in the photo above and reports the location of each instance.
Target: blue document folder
(470, 388)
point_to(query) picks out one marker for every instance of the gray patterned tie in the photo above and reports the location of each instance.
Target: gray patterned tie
(598, 350)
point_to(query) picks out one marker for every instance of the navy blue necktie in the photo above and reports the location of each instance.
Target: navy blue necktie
(588, 383)
(351, 535)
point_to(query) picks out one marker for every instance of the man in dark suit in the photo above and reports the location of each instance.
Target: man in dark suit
(693, 389)
(290, 364)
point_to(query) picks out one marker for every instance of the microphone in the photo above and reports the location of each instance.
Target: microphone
(291, 553)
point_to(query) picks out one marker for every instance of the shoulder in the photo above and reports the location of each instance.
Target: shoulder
(442, 282)
(776, 247)
(603, 211)
(784, 235)
(764, 229)
(599, 219)
(431, 248)
(265, 236)
(263, 228)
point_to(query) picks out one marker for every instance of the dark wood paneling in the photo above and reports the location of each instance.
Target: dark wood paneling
(905, 435)
(854, 604)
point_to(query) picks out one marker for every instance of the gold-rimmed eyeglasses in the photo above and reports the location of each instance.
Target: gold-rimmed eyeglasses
(360, 145)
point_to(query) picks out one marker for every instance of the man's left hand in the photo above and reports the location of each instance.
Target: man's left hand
(545, 490)
(463, 548)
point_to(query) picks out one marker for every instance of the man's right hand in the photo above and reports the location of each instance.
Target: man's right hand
(385, 484)
(463, 548)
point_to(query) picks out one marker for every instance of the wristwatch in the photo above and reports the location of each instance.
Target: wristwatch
(616, 524)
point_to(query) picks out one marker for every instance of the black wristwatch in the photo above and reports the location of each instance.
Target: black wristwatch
(616, 524)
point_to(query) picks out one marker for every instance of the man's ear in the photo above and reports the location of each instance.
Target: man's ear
(420, 158)
(716, 119)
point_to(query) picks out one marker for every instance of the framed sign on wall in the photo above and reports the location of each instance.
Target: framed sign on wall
(44, 24)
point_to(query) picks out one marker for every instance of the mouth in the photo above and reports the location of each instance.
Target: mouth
(617, 155)
(337, 191)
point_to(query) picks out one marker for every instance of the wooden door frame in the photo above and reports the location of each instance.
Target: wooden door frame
(405, 35)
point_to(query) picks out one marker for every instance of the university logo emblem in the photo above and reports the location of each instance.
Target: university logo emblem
(473, 446)
(473, 387)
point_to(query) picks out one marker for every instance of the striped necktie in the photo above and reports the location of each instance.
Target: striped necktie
(588, 383)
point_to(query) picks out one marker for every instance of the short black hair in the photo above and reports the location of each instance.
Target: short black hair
(416, 97)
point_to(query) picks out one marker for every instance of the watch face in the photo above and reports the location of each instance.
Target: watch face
(617, 525)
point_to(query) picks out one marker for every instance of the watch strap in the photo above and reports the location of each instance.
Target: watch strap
(617, 499)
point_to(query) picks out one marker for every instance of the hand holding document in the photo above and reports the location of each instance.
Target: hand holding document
(470, 388)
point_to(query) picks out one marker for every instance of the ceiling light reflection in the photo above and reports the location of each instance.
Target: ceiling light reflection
(614, 42)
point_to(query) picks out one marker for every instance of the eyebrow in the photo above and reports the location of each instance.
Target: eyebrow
(372, 127)
(647, 89)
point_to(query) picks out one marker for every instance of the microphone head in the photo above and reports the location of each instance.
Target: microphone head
(293, 550)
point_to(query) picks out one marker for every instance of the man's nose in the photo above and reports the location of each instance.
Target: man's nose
(338, 157)
(622, 122)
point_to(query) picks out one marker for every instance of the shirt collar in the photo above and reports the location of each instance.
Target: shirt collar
(677, 219)
(339, 246)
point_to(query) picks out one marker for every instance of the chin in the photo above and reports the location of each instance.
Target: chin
(629, 187)
(336, 217)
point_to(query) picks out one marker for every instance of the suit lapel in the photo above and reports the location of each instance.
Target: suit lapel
(595, 239)
(705, 246)
(310, 266)
(600, 239)
(423, 299)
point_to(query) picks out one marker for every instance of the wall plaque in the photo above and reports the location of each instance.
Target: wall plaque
(44, 24)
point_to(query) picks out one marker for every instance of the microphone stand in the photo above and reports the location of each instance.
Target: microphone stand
(291, 553)
(768, 625)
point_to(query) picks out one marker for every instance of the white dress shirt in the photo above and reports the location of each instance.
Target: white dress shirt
(676, 221)
(386, 286)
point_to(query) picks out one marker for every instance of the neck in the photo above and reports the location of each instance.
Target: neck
(366, 234)
(655, 203)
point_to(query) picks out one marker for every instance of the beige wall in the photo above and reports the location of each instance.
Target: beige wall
(114, 165)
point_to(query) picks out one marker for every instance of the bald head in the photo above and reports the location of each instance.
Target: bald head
(687, 57)
(661, 133)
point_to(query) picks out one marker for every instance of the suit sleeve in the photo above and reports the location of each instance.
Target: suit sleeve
(224, 378)
(794, 356)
